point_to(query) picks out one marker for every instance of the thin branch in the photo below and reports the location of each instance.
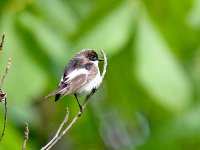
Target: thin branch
(6, 72)
(105, 64)
(26, 134)
(58, 132)
(2, 94)
(5, 119)
(58, 136)
(2, 41)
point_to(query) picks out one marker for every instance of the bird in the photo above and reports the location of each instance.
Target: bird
(81, 76)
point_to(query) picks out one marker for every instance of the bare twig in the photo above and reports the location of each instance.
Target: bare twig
(26, 134)
(2, 94)
(5, 119)
(4, 99)
(6, 71)
(58, 136)
(2, 41)
(105, 64)
(58, 132)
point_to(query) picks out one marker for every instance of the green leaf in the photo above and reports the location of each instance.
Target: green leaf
(158, 70)
(112, 33)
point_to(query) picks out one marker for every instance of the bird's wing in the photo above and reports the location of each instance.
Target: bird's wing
(72, 65)
(75, 83)
(72, 75)
(69, 85)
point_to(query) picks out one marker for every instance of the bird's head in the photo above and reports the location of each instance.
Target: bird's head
(90, 54)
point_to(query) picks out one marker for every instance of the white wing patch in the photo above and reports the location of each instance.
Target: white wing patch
(74, 74)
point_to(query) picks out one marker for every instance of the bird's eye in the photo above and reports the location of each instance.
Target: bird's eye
(92, 57)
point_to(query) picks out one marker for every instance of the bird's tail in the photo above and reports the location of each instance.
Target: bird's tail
(57, 93)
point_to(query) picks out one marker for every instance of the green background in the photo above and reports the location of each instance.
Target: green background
(150, 98)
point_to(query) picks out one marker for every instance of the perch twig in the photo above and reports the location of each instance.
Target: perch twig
(58, 132)
(58, 136)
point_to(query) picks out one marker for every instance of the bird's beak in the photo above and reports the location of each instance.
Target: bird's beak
(100, 59)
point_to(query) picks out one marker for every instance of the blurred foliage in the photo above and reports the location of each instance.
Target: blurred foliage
(150, 97)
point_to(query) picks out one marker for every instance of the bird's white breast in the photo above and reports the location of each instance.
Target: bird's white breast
(88, 87)
(94, 83)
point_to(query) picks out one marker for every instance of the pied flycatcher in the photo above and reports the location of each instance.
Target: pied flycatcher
(81, 76)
